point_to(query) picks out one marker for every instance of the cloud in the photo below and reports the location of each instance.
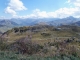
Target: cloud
(10, 11)
(36, 14)
(14, 6)
(60, 13)
(65, 12)
(17, 5)
(39, 14)
(74, 2)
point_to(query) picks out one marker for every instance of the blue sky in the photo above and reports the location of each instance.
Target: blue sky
(39, 8)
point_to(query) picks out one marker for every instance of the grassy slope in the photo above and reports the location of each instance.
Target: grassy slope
(40, 39)
(12, 56)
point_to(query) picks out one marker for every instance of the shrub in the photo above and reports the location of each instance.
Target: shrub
(45, 34)
(3, 44)
(25, 45)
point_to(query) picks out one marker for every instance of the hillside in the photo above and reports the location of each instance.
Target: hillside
(44, 32)
(43, 41)
(6, 25)
(76, 23)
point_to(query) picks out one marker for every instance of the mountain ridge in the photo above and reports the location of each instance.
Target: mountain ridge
(31, 21)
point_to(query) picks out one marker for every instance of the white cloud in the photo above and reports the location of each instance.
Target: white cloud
(74, 2)
(65, 12)
(36, 14)
(14, 6)
(60, 13)
(17, 5)
(10, 11)
(40, 14)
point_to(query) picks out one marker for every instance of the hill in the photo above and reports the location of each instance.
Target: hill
(76, 23)
(6, 25)
(43, 41)
(44, 32)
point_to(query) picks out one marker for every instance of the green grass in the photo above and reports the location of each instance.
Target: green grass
(5, 55)
(55, 37)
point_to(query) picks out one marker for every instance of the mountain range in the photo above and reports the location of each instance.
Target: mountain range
(8, 23)
(49, 21)
(16, 22)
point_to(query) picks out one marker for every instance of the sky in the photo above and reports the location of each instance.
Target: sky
(39, 8)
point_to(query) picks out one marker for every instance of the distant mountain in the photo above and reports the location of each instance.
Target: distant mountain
(50, 21)
(64, 21)
(76, 23)
(7, 23)
(33, 21)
